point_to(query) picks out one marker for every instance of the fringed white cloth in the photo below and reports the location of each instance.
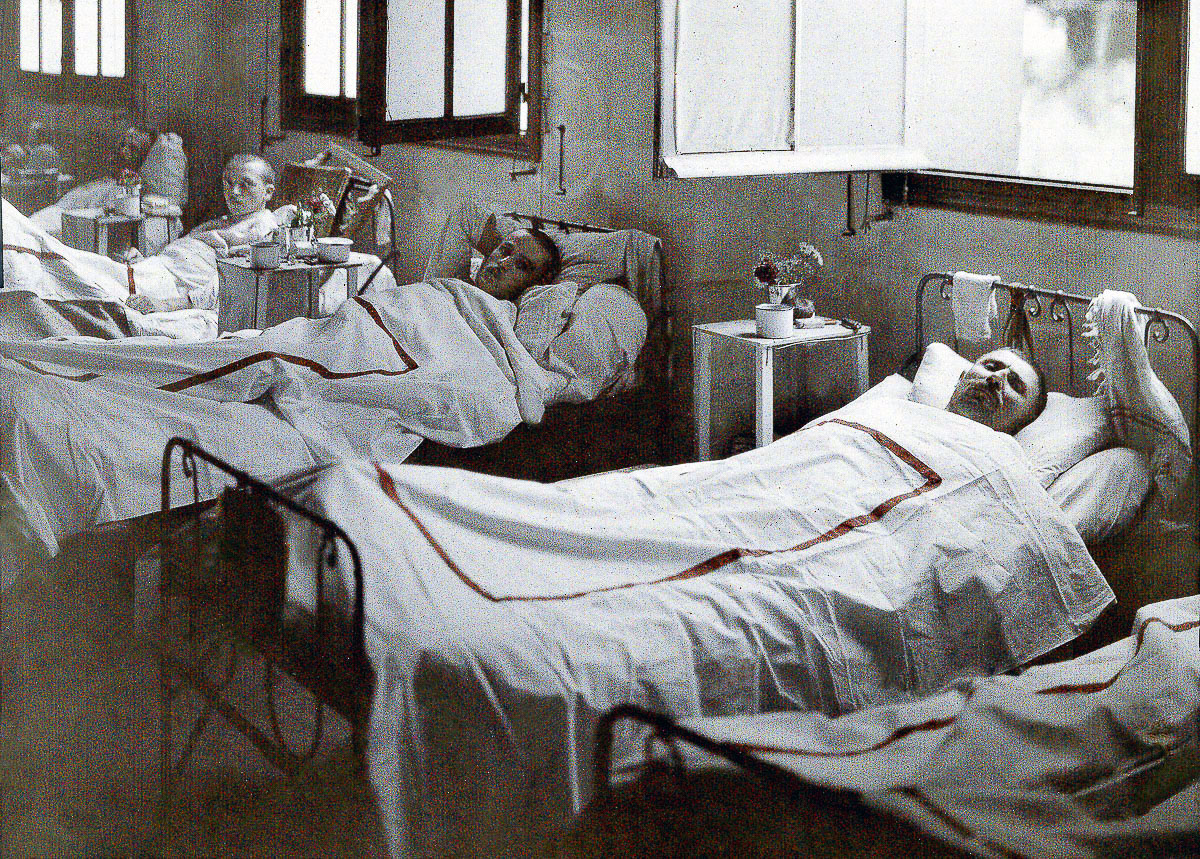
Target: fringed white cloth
(973, 299)
(1144, 414)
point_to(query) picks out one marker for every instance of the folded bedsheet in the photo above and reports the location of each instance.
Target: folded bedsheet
(871, 557)
(83, 423)
(1097, 755)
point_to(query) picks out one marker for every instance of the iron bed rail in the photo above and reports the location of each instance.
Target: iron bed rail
(319, 649)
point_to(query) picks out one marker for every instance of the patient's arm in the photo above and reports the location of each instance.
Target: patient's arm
(471, 227)
(221, 235)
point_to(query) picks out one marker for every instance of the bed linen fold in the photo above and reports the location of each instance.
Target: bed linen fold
(1043, 764)
(873, 556)
(83, 422)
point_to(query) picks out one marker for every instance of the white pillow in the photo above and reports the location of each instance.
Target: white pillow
(894, 386)
(602, 340)
(542, 314)
(1103, 492)
(1069, 429)
(164, 169)
(938, 374)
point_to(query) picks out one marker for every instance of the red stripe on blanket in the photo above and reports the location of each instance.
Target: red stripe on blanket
(258, 357)
(129, 274)
(716, 562)
(320, 369)
(36, 253)
(937, 724)
(378, 320)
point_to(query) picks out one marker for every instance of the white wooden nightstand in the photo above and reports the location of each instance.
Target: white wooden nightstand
(88, 230)
(252, 297)
(845, 349)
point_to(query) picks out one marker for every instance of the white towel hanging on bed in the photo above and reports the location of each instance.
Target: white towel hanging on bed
(1144, 414)
(974, 302)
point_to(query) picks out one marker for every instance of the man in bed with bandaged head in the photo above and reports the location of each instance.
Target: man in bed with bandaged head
(249, 183)
(1003, 390)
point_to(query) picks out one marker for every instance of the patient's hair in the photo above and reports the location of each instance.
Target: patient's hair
(242, 159)
(555, 255)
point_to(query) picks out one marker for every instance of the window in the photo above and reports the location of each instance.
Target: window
(464, 73)
(74, 48)
(1060, 109)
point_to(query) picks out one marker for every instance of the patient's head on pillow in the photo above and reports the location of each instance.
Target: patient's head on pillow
(523, 259)
(1003, 390)
(249, 182)
(131, 151)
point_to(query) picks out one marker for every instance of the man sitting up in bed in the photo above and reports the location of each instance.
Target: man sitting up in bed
(1003, 390)
(249, 185)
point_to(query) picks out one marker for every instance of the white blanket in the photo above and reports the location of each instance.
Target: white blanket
(1044, 764)
(870, 557)
(1144, 414)
(83, 423)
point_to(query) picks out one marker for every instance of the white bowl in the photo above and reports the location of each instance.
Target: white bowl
(334, 249)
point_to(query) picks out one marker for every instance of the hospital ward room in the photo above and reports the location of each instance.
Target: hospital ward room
(540, 428)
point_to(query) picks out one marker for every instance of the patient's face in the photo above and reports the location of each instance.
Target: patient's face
(1000, 390)
(516, 264)
(246, 189)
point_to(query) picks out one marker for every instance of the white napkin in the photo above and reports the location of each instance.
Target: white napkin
(974, 303)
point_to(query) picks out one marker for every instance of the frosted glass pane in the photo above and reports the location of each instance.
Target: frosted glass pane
(850, 73)
(733, 75)
(416, 45)
(350, 48)
(29, 40)
(1031, 90)
(479, 56)
(52, 36)
(322, 48)
(112, 38)
(1192, 108)
(87, 35)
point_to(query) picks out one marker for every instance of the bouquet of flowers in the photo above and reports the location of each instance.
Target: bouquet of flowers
(782, 277)
(130, 180)
(315, 211)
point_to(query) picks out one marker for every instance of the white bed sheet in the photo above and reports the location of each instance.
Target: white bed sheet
(1001, 755)
(868, 558)
(83, 422)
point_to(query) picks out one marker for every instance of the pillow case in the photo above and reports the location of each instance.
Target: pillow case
(543, 311)
(894, 386)
(602, 340)
(938, 374)
(164, 169)
(1102, 493)
(1070, 429)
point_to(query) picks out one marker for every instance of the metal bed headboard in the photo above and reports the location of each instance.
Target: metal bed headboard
(1029, 300)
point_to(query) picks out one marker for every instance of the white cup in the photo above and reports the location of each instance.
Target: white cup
(265, 255)
(774, 320)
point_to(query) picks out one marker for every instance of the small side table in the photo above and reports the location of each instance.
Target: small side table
(741, 333)
(88, 230)
(252, 297)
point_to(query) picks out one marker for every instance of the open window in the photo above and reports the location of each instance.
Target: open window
(1058, 109)
(463, 73)
(75, 50)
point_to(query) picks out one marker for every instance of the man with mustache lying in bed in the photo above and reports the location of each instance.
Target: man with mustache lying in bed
(1003, 390)
(249, 183)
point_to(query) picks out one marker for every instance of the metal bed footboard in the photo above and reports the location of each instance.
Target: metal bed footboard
(245, 605)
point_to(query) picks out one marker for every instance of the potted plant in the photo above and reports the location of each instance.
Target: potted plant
(785, 280)
(129, 201)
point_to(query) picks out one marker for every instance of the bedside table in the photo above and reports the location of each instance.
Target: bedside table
(250, 297)
(850, 373)
(88, 230)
